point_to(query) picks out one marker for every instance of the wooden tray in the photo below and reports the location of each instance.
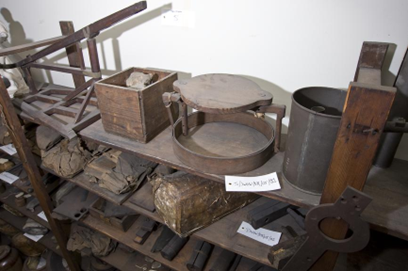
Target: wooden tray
(224, 144)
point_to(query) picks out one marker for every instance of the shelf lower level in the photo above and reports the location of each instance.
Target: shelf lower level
(18, 223)
(388, 211)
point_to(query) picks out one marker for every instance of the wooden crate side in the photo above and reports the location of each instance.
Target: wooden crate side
(154, 112)
(120, 110)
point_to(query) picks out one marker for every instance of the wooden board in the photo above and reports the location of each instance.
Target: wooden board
(383, 214)
(143, 197)
(223, 233)
(222, 93)
(178, 263)
(126, 238)
(82, 180)
(160, 150)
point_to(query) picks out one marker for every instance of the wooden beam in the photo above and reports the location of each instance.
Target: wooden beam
(33, 173)
(74, 53)
(363, 120)
(29, 46)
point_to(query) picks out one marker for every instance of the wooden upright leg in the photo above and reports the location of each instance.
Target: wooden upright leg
(364, 116)
(24, 152)
(74, 53)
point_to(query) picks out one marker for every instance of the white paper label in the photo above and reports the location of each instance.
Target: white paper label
(183, 18)
(9, 149)
(252, 184)
(35, 238)
(264, 236)
(8, 177)
(42, 215)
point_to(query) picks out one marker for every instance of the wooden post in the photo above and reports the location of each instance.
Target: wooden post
(364, 116)
(74, 53)
(27, 159)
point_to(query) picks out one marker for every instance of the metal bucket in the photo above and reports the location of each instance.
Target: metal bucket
(314, 121)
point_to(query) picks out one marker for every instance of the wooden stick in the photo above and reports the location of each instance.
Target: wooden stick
(74, 53)
(364, 116)
(27, 159)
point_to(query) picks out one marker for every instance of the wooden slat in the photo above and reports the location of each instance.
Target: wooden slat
(364, 116)
(60, 68)
(29, 46)
(74, 53)
(43, 98)
(62, 110)
(79, 89)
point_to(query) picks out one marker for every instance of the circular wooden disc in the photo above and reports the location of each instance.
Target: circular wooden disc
(221, 93)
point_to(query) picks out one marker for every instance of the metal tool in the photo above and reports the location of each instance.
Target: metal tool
(348, 208)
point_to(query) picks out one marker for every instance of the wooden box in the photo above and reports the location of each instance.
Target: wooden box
(122, 224)
(187, 202)
(140, 115)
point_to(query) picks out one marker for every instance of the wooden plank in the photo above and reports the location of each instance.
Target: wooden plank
(82, 180)
(364, 116)
(223, 233)
(126, 238)
(61, 68)
(74, 53)
(143, 197)
(43, 98)
(79, 89)
(29, 46)
(160, 150)
(363, 120)
(390, 219)
(84, 104)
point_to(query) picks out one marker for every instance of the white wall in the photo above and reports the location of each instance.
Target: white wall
(282, 45)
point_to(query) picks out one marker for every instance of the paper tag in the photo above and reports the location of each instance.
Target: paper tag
(8, 177)
(264, 236)
(252, 184)
(42, 215)
(9, 149)
(183, 18)
(35, 238)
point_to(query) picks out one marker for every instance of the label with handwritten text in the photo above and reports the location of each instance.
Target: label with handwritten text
(9, 149)
(8, 177)
(42, 215)
(35, 238)
(261, 235)
(252, 184)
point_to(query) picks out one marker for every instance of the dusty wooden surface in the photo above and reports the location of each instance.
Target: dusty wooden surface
(383, 214)
(82, 180)
(222, 93)
(160, 150)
